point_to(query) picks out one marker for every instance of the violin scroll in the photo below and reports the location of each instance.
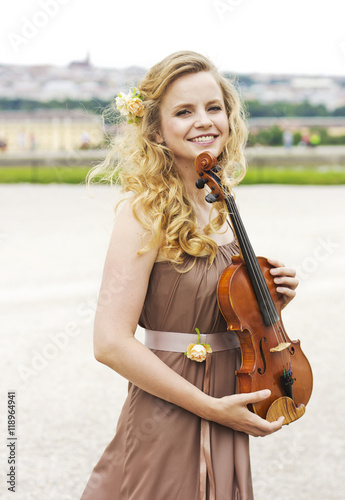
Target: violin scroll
(205, 161)
(206, 165)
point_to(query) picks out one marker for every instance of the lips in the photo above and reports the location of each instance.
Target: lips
(203, 138)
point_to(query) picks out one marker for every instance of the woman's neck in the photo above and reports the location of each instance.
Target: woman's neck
(190, 177)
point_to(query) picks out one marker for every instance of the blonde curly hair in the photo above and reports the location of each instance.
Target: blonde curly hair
(147, 170)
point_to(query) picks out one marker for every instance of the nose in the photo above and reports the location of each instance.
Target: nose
(202, 120)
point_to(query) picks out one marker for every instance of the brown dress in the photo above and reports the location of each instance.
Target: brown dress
(155, 454)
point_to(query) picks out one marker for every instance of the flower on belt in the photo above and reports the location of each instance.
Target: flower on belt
(197, 352)
(131, 105)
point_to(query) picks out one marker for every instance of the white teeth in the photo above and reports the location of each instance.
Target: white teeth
(203, 138)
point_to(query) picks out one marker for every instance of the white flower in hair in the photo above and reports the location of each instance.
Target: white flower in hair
(121, 104)
(131, 105)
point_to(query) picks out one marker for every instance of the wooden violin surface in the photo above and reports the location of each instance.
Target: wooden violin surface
(251, 306)
(264, 365)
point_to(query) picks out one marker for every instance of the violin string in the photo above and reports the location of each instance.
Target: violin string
(262, 289)
(277, 326)
(260, 281)
(258, 277)
(253, 264)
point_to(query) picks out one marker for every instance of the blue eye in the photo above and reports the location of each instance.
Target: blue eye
(182, 112)
(215, 108)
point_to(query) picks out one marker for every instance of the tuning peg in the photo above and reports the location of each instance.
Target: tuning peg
(200, 183)
(211, 198)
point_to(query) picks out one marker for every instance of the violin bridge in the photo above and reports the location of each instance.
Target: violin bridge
(280, 347)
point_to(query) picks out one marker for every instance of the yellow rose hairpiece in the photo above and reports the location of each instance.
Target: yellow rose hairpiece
(130, 105)
(198, 352)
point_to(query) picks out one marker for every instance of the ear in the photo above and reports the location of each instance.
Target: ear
(159, 138)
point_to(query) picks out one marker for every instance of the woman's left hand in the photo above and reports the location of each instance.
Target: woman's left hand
(285, 279)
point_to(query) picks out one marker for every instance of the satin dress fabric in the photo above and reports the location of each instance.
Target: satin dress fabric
(155, 453)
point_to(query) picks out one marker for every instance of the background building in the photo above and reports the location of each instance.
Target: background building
(50, 130)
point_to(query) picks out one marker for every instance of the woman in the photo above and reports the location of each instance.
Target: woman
(183, 433)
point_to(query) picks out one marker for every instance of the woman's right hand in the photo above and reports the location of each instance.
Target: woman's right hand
(232, 411)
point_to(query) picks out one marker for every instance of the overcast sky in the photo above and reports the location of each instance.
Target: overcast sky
(243, 36)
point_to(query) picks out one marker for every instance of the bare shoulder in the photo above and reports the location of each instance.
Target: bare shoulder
(125, 278)
(127, 239)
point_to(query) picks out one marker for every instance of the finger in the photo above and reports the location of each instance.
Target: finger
(287, 281)
(275, 262)
(261, 427)
(274, 426)
(287, 292)
(253, 424)
(283, 271)
(254, 397)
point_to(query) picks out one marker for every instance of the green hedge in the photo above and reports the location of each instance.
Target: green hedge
(255, 175)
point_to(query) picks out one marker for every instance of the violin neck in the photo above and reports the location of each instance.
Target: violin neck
(265, 302)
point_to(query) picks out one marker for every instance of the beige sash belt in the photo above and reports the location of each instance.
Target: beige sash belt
(178, 342)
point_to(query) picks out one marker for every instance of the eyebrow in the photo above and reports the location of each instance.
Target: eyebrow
(187, 105)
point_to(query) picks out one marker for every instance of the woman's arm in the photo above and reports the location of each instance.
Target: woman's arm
(121, 298)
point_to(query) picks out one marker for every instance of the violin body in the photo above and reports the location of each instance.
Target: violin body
(261, 368)
(251, 306)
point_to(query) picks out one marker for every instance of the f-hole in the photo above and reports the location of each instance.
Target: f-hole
(261, 372)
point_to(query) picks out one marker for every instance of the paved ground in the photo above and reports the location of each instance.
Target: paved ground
(53, 241)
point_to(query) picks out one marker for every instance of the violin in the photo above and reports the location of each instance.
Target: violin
(251, 306)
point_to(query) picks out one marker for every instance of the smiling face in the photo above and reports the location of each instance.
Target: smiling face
(193, 118)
